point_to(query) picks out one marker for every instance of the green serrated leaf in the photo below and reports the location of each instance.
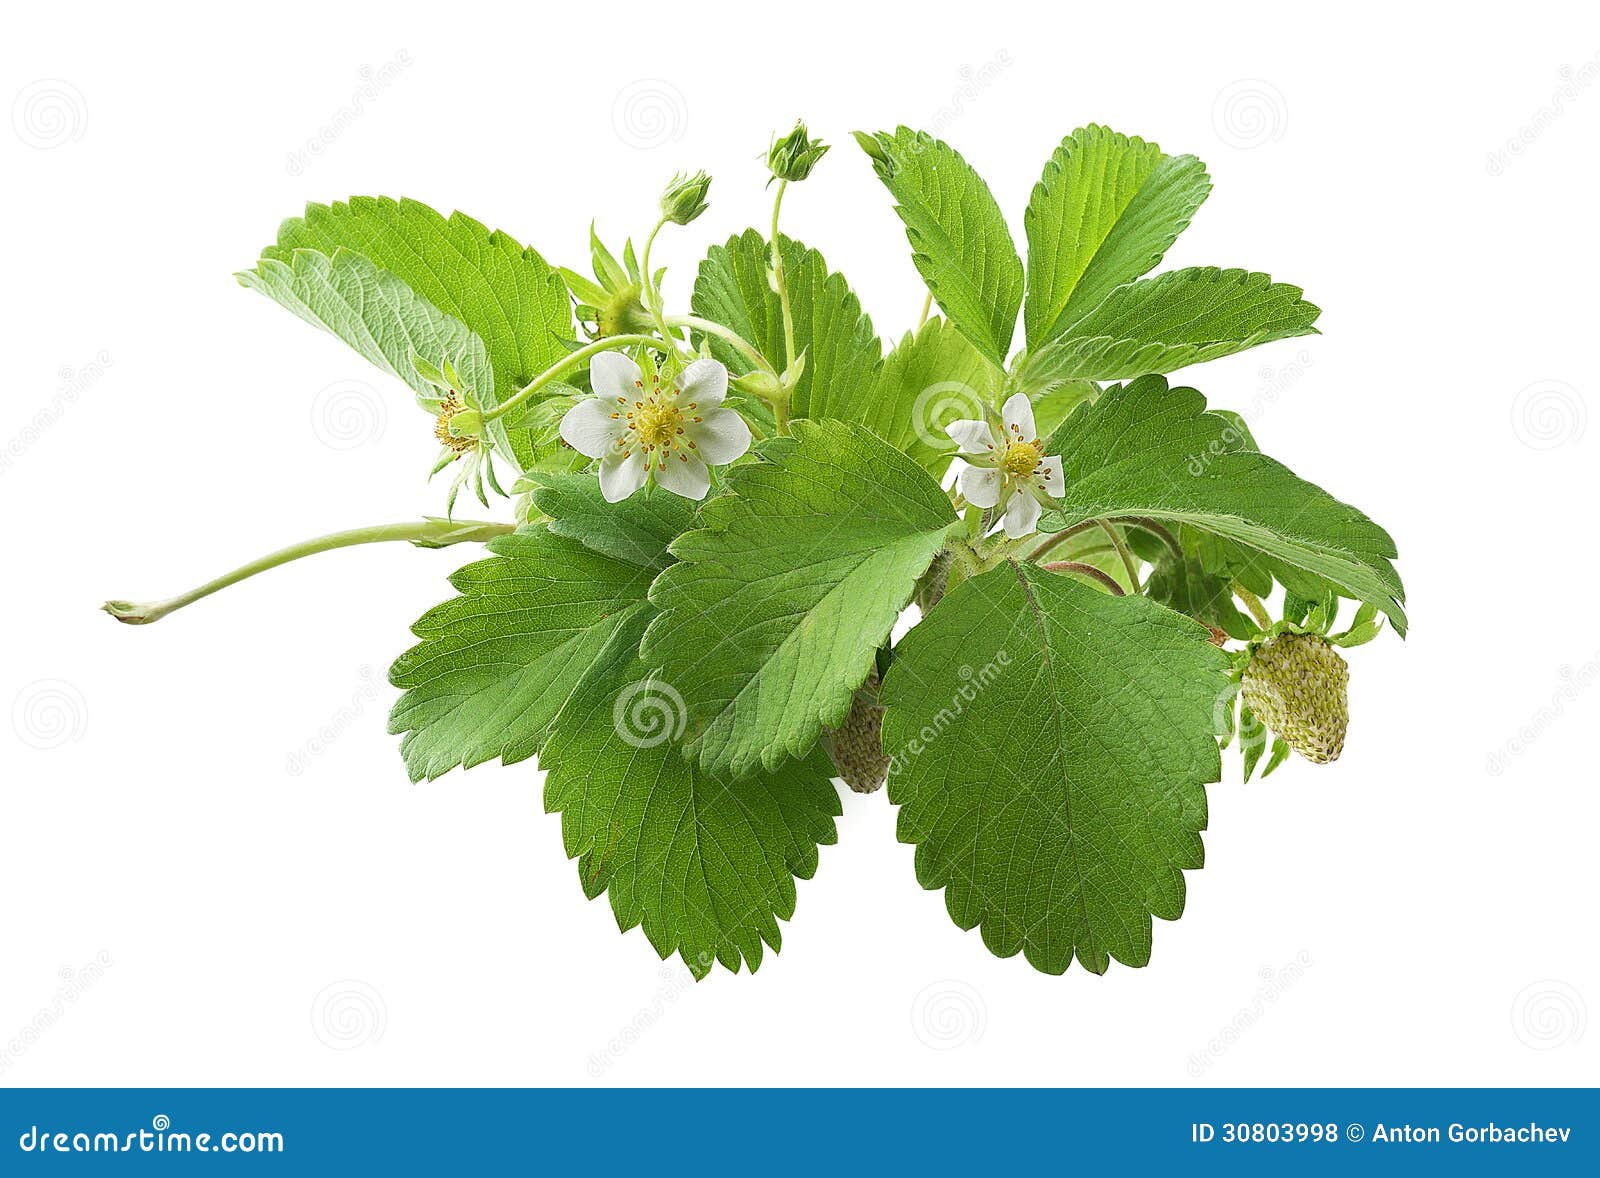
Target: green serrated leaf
(772, 617)
(1146, 449)
(638, 531)
(959, 240)
(1053, 782)
(494, 666)
(1104, 213)
(378, 315)
(1161, 324)
(499, 289)
(830, 331)
(933, 377)
(705, 864)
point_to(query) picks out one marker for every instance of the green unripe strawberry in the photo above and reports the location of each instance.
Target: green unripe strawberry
(857, 745)
(1299, 687)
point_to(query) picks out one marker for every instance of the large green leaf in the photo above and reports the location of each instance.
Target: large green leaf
(1050, 746)
(376, 313)
(773, 615)
(637, 531)
(1104, 213)
(1170, 321)
(495, 665)
(706, 864)
(1145, 449)
(501, 290)
(959, 238)
(932, 377)
(841, 351)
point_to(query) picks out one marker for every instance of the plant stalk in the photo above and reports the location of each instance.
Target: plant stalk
(1129, 565)
(428, 533)
(1105, 580)
(572, 360)
(1253, 604)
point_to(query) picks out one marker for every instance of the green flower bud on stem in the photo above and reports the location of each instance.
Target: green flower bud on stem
(685, 197)
(793, 156)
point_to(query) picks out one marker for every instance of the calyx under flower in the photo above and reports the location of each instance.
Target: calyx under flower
(459, 426)
(793, 156)
(684, 198)
(612, 302)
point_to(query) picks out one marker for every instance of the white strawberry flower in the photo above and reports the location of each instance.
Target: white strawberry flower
(669, 432)
(1008, 468)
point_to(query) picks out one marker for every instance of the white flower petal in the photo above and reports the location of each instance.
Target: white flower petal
(686, 476)
(1022, 515)
(974, 437)
(705, 382)
(720, 438)
(1017, 413)
(613, 375)
(1049, 477)
(621, 477)
(589, 428)
(981, 485)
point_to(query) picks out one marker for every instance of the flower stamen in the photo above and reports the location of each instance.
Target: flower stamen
(448, 408)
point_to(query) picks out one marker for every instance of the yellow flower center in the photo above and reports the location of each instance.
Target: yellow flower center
(448, 408)
(658, 421)
(1020, 459)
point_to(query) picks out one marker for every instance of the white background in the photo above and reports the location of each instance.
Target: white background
(180, 907)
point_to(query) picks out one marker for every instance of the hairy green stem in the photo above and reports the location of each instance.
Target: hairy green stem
(711, 327)
(1129, 565)
(572, 360)
(1253, 604)
(927, 309)
(1104, 579)
(652, 295)
(1062, 537)
(1160, 531)
(428, 533)
(779, 280)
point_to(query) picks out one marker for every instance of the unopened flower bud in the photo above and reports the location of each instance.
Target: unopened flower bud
(793, 156)
(685, 197)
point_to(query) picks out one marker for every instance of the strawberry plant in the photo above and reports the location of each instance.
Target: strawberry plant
(724, 517)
